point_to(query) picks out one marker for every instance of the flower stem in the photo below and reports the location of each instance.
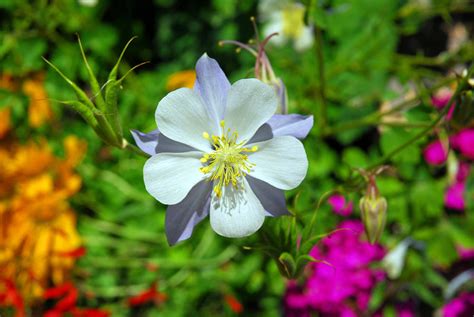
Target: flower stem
(372, 119)
(428, 129)
(322, 83)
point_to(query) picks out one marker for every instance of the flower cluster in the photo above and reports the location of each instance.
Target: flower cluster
(342, 285)
(436, 153)
(38, 236)
(39, 109)
(66, 296)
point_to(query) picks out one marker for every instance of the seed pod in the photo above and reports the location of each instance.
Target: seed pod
(373, 210)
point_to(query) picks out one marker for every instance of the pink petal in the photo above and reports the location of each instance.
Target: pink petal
(435, 153)
(454, 196)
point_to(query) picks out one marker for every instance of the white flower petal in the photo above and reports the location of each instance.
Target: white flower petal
(170, 176)
(305, 39)
(250, 104)
(237, 213)
(281, 162)
(182, 117)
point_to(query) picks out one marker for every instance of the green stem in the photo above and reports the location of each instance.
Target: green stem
(322, 82)
(428, 129)
(322, 199)
(372, 119)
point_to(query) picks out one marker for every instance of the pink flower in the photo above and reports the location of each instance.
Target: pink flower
(348, 278)
(460, 306)
(465, 253)
(454, 196)
(435, 153)
(339, 205)
(405, 310)
(463, 172)
(464, 142)
(441, 98)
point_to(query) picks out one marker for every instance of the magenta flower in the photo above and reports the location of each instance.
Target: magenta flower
(339, 205)
(435, 153)
(464, 142)
(454, 196)
(342, 288)
(460, 306)
(405, 311)
(441, 99)
(465, 253)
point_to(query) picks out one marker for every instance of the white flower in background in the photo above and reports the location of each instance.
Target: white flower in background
(394, 261)
(220, 150)
(287, 19)
(88, 3)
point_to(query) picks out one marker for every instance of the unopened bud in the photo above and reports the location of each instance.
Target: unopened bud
(373, 210)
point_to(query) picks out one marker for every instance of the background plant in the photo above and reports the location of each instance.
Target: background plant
(368, 79)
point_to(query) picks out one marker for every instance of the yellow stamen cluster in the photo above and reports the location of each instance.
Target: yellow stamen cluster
(228, 162)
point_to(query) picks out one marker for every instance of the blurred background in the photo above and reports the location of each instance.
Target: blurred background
(80, 236)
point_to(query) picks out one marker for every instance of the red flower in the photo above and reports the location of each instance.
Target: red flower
(90, 313)
(67, 304)
(149, 295)
(12, 297)
(234, 304)
(76, 253)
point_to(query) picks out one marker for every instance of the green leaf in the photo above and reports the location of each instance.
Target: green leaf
(286, 264)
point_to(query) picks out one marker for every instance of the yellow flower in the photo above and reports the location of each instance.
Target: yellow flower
(39, 110)
(181, 79)
(37, 224)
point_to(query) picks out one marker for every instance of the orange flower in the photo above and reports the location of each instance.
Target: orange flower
(39, 110)
(37, 225)
(6, 82)
(181, 79)
(5, 123)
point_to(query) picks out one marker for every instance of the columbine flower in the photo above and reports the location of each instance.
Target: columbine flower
(287, 19)
(219, 151)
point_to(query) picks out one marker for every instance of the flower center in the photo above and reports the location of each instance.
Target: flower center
(293, 21)
(228, 163)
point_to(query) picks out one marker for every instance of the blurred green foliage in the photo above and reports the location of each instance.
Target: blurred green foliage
(123, 227)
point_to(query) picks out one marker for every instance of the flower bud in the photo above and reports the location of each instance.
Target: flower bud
(373, 210)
